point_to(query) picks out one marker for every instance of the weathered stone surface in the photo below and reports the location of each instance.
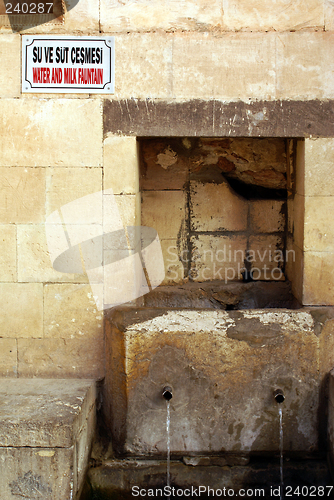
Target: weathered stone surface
(10, 63)
(117, 477)
(267, 216)
(261, 15)
(329, 15)
(169, 16)
(121, 169)
(70, 313)
(295, 271)
(36, 473)
(300, 167)
(8, 271)
(229, 386)
(216, 67)
(215, 118)
(318, 169)
(129, 208)
(261, 162)
(45, 436)
(216, 295)
(164, 165)
(34, 261)
(266, 255)
(318, 229)
(318, 278)
(299, 220)
(21, 310)
(305, 74)
(84, 17)
(80, 17)
(217, 257)
(58, 357)
(216, 208)
(8, 357)
(22, 195)
(290, 216)
(64, 185)
(175, 263)
(44, 413)
(150, 58)
(165, 211)
(50, 126)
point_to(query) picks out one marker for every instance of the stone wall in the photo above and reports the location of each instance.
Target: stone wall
(56, 148)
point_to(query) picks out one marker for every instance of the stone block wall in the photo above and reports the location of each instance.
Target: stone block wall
(55, 148)
(209, 230)
(311, 222)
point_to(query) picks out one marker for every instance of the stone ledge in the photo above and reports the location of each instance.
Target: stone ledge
(216, 118)
(46, 431)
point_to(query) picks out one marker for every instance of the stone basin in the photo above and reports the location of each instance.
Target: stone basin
(223, 367)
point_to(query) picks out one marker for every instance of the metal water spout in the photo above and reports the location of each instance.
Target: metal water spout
(167, 393)
(279, 396)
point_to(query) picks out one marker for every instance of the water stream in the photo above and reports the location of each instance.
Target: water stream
(281, 451)
(168, 442)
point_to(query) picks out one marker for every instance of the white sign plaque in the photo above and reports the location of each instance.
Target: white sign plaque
(55, 64)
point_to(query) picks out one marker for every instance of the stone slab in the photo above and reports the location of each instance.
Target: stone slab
(21, 310)
(316, 172)
(222, 478)
(49, 127)
(229, 67)
(8, 262)
(214, 295)
(22, 195)
(36, 473)
(165, 211)
(216, 207)
(278, 15)
(215, 118)
(150, 57)
(10, 64)
(8, 357)
(227, 15)
(70, 313)
(304, 74)
(121, 169)
(223, 367)
(59, 357)
(318, 282)
(43, 413)
(145, 15)
(46, 434)
(33, 258)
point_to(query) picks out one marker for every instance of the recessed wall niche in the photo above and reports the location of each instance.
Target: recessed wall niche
(219, 206)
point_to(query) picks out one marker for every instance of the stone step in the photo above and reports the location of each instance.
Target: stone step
(46, 431)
